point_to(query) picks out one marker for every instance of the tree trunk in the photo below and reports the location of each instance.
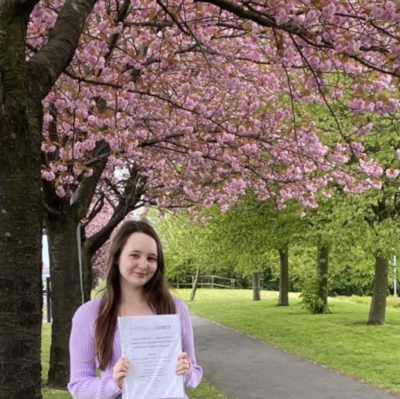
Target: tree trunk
(23, 85)
(283, 299)
(66, 293)
(20, 215)
(379, 292)
(256, 287)
(322, 274)
(195, 284)
(20, 259)
(62, 218)
(87, 273)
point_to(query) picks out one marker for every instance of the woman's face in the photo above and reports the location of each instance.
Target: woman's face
(138, 260)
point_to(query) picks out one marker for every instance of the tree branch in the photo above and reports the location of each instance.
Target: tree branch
(50, 61)
(269, 21)
(98, 206)
(82, 197)
(95, 242)
(131, 199)
(260, 19)
(122, 14)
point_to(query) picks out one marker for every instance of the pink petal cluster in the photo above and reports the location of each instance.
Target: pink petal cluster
(206, 109)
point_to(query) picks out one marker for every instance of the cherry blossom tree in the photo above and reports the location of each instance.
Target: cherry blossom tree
(196, 99)
(162, 111)
(23, 85)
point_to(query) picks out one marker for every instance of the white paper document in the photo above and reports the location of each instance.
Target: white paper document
(152, 345)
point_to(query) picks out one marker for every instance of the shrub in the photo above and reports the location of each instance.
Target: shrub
(310, 300)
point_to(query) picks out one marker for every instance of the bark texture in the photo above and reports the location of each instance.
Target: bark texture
(62, 219)
(63, 216)
(256, 287)
(20, 213)
(322, 274)
(283, 299)
(66, 294)
(23, 85)
(377, 310)
(195, 284)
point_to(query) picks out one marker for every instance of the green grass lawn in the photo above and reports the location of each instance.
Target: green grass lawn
(341, 340)
(204, 390)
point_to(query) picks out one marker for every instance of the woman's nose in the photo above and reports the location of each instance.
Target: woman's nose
(142, 262)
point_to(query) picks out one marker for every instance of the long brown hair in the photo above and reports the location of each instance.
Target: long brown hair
(155, 290)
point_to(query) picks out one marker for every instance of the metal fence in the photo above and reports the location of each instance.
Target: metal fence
(210, 281)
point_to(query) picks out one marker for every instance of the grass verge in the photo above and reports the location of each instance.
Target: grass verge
(341, 340)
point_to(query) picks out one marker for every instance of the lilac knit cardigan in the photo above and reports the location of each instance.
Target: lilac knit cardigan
(84, 384)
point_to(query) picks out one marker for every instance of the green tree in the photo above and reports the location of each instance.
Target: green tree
(247, 239)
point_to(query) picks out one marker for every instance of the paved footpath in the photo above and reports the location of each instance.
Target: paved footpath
(244, 368)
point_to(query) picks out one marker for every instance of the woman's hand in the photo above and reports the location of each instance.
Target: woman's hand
(120, 370)
(183, 364)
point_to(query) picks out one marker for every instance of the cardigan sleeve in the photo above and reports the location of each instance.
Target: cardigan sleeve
(83, 382)
(193, 378)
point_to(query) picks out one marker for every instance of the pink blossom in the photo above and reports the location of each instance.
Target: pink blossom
(357, 105)
(68, 179)
(213, 113)
(185, 89)
(89, 145)
(77, 170)
(224, 208)
(392, 173)
(328, 11)
(60, 191)
(326, 194)
(311, 17)
(281, 16)
(48, 175)
(48, 147)
(62, 168)
(371, 168)
(363, 130)
(356, 147)
(286, 193)
(250, 148)
(63, 154)
(377, 12)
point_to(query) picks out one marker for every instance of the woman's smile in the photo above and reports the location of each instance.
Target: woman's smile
(140, 274)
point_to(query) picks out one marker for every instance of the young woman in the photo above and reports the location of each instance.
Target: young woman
(135, 286)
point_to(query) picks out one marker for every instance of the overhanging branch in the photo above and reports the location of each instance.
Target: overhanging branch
(50, 61)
